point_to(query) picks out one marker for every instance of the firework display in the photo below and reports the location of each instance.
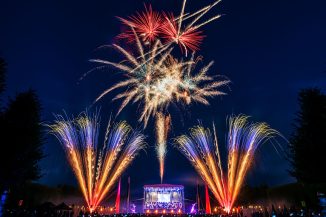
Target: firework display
(155, 78)
(202, 150)
(97, 167)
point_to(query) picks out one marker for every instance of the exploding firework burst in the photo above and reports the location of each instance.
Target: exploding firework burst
(152, 25)
(158, 79)
(243, 140)
(187, 39)
(147, 25)
(97, 167)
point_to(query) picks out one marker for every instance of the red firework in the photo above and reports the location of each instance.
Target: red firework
(146, 24)
(189, 38)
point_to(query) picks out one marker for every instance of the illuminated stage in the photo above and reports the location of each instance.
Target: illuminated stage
(163, 198)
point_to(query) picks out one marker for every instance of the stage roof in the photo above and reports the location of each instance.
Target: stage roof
(163, 186)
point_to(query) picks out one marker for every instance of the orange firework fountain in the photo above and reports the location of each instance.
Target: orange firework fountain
(243, 140)
(97, 168)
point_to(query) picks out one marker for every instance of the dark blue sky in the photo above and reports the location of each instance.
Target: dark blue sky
(270, 49)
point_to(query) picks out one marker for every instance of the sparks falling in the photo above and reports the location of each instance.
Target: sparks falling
(202, 150)
(97, 167)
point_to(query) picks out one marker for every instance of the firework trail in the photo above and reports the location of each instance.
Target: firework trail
(97, 167)
(202, 150)
(162, 129)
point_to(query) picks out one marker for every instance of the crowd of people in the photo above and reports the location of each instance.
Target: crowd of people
(65, 211)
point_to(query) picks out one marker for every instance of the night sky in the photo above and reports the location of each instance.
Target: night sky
(270, 49)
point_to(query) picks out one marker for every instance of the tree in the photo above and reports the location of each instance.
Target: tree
(21, 139)
(308, 142)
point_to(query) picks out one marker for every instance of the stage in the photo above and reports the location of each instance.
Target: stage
(163, 198)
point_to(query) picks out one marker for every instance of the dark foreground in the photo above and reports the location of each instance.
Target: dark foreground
(293, 213)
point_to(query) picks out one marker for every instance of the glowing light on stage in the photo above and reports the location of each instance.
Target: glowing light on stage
(192, 210)
(202, 150)
(207, 201)
(97, 167)
(117, 201)
(3, 199)
(133, 208)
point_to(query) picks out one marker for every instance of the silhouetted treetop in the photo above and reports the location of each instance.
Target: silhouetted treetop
(308, 142)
